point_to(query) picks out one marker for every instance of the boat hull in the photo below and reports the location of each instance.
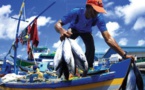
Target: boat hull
(106, 85)
(112, 80)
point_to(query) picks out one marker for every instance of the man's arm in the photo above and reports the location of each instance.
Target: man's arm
(59, 28)
(63, 33)
(113, 44)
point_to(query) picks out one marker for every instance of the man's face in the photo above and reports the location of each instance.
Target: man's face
(90, 12)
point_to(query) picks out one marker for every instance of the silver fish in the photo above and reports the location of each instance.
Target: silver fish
(63, 70)
(139, 79)
(131, 81)
(71, 65)
(58, 56)
(66, 51)
(77, 50)
(81, 64)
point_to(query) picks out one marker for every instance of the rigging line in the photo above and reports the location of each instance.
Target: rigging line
(42, 12)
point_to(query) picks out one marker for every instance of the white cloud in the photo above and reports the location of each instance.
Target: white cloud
(3, 54)
(140, 23)
(108, 4)
(106, 50)
(99, 35)
(131, 11)
(8, 26)
(55, 45)
(141, 43)
(78, 39)
(23, 49)
(123, 41)
(5, 10)
(110, 14)
(112, 29)
(42, 20)
(19, 56)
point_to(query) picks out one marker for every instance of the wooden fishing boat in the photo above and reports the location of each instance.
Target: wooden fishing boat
(113, 79)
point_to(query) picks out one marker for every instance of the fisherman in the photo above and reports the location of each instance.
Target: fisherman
(81, 21)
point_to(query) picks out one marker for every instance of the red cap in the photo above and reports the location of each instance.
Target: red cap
(97, 5)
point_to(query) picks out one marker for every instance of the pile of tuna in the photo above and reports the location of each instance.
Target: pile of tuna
(68, 57)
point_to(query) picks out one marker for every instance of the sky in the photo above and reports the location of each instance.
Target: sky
(125, 21)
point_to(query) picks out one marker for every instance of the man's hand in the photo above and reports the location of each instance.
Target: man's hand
(131, 57)
(65, 34)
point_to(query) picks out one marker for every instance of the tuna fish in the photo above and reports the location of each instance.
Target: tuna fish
(131, 80)
(63, 70)
(81, 64)
(69, 55)
(66, 51)
(77, 50)
(134, 79)
(72, 65)
(139, 79)
(58, 56)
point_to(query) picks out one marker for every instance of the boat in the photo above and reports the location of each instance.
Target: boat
(112, 79)
(42, 57)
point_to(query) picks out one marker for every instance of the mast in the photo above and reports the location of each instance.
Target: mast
(16, 38)
(15, 43)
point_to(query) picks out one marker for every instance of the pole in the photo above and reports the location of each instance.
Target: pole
(16, 43)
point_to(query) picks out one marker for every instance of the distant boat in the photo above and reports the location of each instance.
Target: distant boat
(40, 54)
(42, 58)
(141, 65)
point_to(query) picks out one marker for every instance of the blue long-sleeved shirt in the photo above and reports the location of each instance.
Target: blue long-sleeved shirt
(82, 24)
